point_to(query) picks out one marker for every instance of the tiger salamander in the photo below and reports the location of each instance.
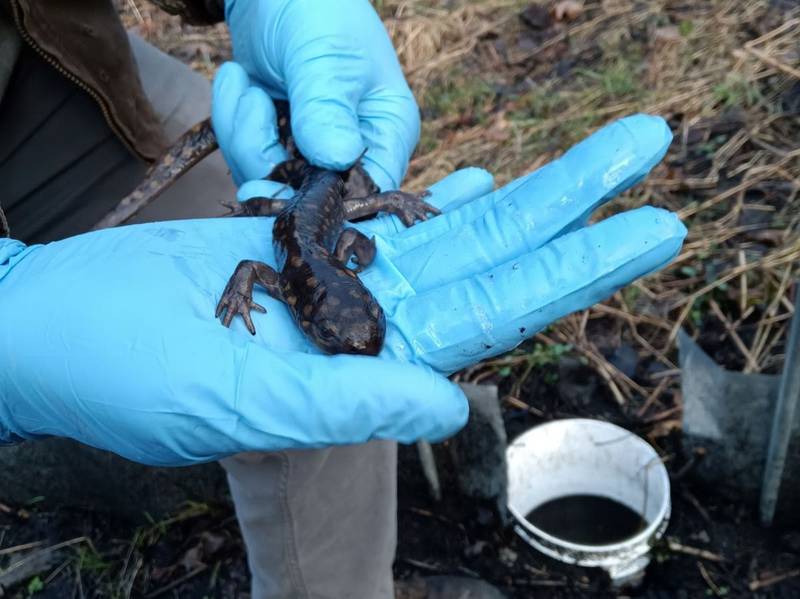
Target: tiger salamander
(312, 245)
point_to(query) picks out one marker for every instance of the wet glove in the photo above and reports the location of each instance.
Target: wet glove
(109, 337)
(335, 64)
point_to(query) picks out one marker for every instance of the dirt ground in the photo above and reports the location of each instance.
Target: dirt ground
(509, 85)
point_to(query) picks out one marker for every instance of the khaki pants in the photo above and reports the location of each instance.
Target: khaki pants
(317, 524)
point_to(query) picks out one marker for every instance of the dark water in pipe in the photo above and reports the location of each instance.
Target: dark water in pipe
(587, 519)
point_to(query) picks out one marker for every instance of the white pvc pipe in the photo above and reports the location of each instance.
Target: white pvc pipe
(589, 457)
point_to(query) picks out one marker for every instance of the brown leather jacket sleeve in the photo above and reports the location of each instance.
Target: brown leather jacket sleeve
(4, 230)
(195, 12)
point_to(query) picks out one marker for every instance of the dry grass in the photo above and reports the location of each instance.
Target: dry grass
(509, 95)
(501, 94)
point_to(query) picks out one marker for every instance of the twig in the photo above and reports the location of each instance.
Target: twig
(742, 284)
(676, 547)
(752, 364)
(127, 587)
(653, 397)
(663, 415)
(761, 583)
(521, 405)
(634, 318)
(665, 373)
(52, 576)
(176, 583)
(673, 334)
(79, 582)
(692, 499)
(24, 547)
(777, 64)
(707, 577)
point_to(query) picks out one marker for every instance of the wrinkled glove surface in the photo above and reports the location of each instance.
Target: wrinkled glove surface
(109, 337)
(335, 64)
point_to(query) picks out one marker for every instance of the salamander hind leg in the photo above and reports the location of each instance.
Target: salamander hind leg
(408, 207)
(352, 241)
(238, 295)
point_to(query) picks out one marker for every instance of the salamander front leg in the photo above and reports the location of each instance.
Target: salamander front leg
(238, 295)
(409, 207)
(352, 241)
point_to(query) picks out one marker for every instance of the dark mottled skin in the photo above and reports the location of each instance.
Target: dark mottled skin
(312, 249)
(312, 246)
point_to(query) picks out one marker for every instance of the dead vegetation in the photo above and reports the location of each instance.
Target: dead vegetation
(509, 85)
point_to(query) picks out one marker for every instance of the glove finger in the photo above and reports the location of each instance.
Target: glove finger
(245, 123)
(529, 212)
(550, 202)
(327, 82)
(457, 189)
(458, 324)
(390, 125)
(230, 84)
(301, 400)
(255, 145)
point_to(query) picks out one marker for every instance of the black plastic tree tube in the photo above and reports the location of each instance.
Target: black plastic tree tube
(783, 419)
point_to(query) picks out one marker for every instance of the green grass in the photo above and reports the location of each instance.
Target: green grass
(619, 79)
(89, 560)
(735, 90)
(458, 95)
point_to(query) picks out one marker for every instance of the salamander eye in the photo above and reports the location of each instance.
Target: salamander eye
(326, 334)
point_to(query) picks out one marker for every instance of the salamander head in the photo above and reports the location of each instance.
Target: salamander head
(359, 327)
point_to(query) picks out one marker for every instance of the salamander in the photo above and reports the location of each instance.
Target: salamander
(313, 247)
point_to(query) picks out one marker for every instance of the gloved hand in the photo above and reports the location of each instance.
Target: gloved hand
(492, 271)
(109, 337)
(335, 64)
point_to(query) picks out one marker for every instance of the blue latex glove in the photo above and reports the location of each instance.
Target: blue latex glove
(109, 337)
(335, 64)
